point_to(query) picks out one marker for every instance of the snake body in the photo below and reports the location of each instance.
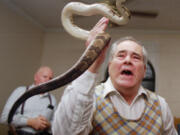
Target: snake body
(119, 15)
(91, 53)
(88, 57)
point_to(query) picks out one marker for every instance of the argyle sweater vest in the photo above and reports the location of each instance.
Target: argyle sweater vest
(107, 121)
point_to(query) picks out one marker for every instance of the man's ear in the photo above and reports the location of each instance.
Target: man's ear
(109, 62)
(35, 78)
(145, 67)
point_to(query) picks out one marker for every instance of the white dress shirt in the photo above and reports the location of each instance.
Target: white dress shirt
(33, 107)
(75, 110)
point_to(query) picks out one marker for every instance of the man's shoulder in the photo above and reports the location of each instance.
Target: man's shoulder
(21, 89)
(161, 99)
(18, 91)
(99, 89)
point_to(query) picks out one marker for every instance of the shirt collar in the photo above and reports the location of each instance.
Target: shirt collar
(109, 88)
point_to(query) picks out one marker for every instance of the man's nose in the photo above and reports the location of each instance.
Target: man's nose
(127, 59)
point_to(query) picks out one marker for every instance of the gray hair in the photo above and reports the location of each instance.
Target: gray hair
(116, 43)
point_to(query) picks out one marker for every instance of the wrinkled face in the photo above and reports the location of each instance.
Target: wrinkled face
(127, 67)
(43, 75)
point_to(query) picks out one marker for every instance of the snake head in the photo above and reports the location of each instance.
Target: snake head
(117, 7)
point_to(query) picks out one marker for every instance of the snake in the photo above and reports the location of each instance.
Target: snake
(113, 9)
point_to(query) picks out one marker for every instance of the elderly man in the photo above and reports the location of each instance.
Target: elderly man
(120, 106)
(34, 116)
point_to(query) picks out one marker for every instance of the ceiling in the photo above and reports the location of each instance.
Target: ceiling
(46, 13)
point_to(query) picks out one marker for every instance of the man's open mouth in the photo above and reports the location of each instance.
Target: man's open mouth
(126, 72)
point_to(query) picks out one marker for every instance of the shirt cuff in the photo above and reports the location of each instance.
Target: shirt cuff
(20, 121)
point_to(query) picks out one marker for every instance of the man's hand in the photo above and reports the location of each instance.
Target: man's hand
(98, 28)
(38, 123)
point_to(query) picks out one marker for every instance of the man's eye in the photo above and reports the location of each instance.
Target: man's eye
(120, 55)
(137, 57)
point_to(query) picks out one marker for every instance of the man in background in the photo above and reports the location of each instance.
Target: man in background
(34, 116)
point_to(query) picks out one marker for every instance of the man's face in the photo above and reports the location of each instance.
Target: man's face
(127, 67)
(43, 75)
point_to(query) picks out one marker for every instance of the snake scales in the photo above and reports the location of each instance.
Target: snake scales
(91, 53)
